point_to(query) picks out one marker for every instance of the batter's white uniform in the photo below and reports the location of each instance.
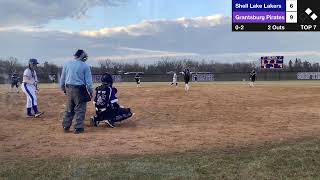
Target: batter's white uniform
(29, 87)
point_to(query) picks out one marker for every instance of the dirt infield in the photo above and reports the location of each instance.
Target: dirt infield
(167, 120)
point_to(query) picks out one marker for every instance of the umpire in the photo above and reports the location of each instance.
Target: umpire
(76, 82)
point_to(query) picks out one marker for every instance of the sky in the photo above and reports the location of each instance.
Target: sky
(136, 11)
(141, 31)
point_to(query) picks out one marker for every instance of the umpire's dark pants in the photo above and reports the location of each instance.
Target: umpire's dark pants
(75, 108)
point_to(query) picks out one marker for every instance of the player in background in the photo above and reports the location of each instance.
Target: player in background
(253, 75)
(15, 82)
(186, 75)
(138, 79)
(53, 78)
(174, 80)
(106, 103)
(30, 88)
(196, 77)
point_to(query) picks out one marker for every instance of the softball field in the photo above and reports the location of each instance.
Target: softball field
(224, 130)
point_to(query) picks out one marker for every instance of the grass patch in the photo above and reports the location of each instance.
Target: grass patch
(285, 161)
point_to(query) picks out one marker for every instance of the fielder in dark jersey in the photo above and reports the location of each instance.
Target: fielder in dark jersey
(15, 80)
(186, 76)
(253, 75)
(107, 108)
(138, 80)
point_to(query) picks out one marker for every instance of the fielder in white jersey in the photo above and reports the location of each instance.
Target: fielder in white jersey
(30, 88)
(174, 80)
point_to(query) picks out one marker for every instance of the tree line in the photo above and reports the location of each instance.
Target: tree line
(11, 65)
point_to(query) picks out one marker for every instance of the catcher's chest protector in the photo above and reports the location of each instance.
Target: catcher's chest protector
(103, 98)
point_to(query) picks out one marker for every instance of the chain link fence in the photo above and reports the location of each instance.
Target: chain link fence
(208, 77)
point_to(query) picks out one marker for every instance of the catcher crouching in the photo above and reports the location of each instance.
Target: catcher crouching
(106, 103)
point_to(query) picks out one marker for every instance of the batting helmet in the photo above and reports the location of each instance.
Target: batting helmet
(81, 55)
(107, 79)
(33, 61)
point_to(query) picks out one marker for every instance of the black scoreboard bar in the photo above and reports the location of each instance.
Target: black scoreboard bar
(275, 15)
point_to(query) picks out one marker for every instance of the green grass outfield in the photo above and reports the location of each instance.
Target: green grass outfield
(295, 160)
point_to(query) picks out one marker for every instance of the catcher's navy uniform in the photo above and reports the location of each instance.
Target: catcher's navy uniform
(107, 107)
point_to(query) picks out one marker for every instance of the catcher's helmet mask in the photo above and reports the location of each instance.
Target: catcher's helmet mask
(106, 78)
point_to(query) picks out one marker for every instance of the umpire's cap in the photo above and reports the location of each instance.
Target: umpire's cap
(33, 61)
(107, 79)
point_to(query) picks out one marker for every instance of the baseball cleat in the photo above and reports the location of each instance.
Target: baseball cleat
(66, 129)
(38, 114)
(79, 130)
(30, 116)
(109, 123)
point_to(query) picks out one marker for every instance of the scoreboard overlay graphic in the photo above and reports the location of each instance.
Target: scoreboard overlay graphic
(275, 15)
(272, 62)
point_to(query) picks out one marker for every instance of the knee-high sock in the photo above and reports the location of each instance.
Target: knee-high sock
(29, 111)
(35, 109)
